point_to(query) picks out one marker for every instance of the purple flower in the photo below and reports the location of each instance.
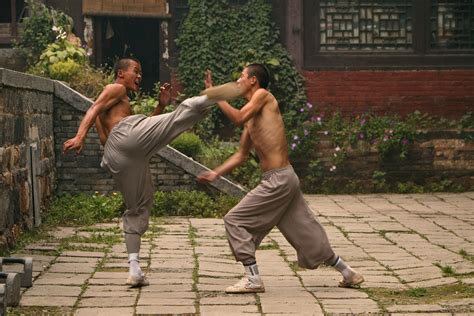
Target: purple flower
(296, 137)
(302, 110)
(405, 141)
(309, 105)
(362, 122)
(361, 136)
(293, 146)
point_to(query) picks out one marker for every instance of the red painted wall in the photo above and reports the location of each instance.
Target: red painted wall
(448, 93)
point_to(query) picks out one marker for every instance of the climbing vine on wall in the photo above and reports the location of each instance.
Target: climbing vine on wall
(224, 38)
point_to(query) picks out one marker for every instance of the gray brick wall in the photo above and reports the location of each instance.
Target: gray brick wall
(27, 159)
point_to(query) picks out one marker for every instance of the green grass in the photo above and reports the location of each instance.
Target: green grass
(447, 270)
(93, 239)
(417, 292)
(270, 246)
(38, 310)
(28, 237)
(431, 295)
(466, 255)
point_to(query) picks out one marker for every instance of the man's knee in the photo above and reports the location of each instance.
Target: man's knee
(229, 219)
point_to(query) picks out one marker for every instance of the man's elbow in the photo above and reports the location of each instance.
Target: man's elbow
(239, 121)
(243, 157)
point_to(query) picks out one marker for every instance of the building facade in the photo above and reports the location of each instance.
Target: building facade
(394, 56)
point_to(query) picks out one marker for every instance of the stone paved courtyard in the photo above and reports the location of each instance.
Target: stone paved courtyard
(399, 242)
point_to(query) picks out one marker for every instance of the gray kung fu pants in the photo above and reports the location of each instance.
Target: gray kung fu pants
(277, 201)
(129, 147)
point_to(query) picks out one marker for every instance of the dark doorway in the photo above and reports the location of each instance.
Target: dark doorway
(137, 37)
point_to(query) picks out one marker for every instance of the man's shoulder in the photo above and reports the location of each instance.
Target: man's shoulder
(115, 87)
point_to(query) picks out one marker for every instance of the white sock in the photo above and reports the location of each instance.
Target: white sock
(134, 262)
(252, 270)
(343, 267)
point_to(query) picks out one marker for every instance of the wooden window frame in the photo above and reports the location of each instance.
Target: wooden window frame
(421, 56)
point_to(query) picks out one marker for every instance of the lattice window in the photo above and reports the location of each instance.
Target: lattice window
(452, 24)
(365, 25)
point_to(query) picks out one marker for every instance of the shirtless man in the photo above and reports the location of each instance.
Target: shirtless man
(130, 141)
(277, 200)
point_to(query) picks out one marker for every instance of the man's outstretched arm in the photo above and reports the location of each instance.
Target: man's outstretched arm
(239, 117)
(233, 162)
(111, 95)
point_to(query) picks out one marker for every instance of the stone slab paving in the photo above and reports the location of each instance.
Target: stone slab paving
(399, 242)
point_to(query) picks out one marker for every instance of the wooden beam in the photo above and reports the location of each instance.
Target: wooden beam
(13, 28)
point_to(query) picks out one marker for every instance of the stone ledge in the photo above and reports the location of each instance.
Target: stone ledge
(195, 168)
(71, 97)
(24, 81)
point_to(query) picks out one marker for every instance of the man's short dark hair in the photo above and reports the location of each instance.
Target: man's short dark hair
(123, 64)
(260, 72)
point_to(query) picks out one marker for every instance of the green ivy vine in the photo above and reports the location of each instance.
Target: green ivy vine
(224, 38)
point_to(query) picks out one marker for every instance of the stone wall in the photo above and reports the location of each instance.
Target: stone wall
(433, 157)
(26, 151)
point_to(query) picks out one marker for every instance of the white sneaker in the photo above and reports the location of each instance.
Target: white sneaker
(250, 284)
(137, 281)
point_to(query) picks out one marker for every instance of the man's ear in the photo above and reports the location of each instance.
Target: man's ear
(120, 73)
(253, 80)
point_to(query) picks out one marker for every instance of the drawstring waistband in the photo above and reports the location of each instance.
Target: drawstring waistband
(269, 173)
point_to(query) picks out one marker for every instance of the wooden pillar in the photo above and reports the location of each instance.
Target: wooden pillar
(288, 16)
(97, 25)
(294, 31)
(13, 27)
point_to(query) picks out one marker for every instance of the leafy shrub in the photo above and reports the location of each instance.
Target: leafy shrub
(60, 60)
(217, 152)
(144, 103)
(223, 204)
(191, 203)
(314, 176)
(90, 81)
(189, 144)
(38, 30)
(64, 70)
(83, 209)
